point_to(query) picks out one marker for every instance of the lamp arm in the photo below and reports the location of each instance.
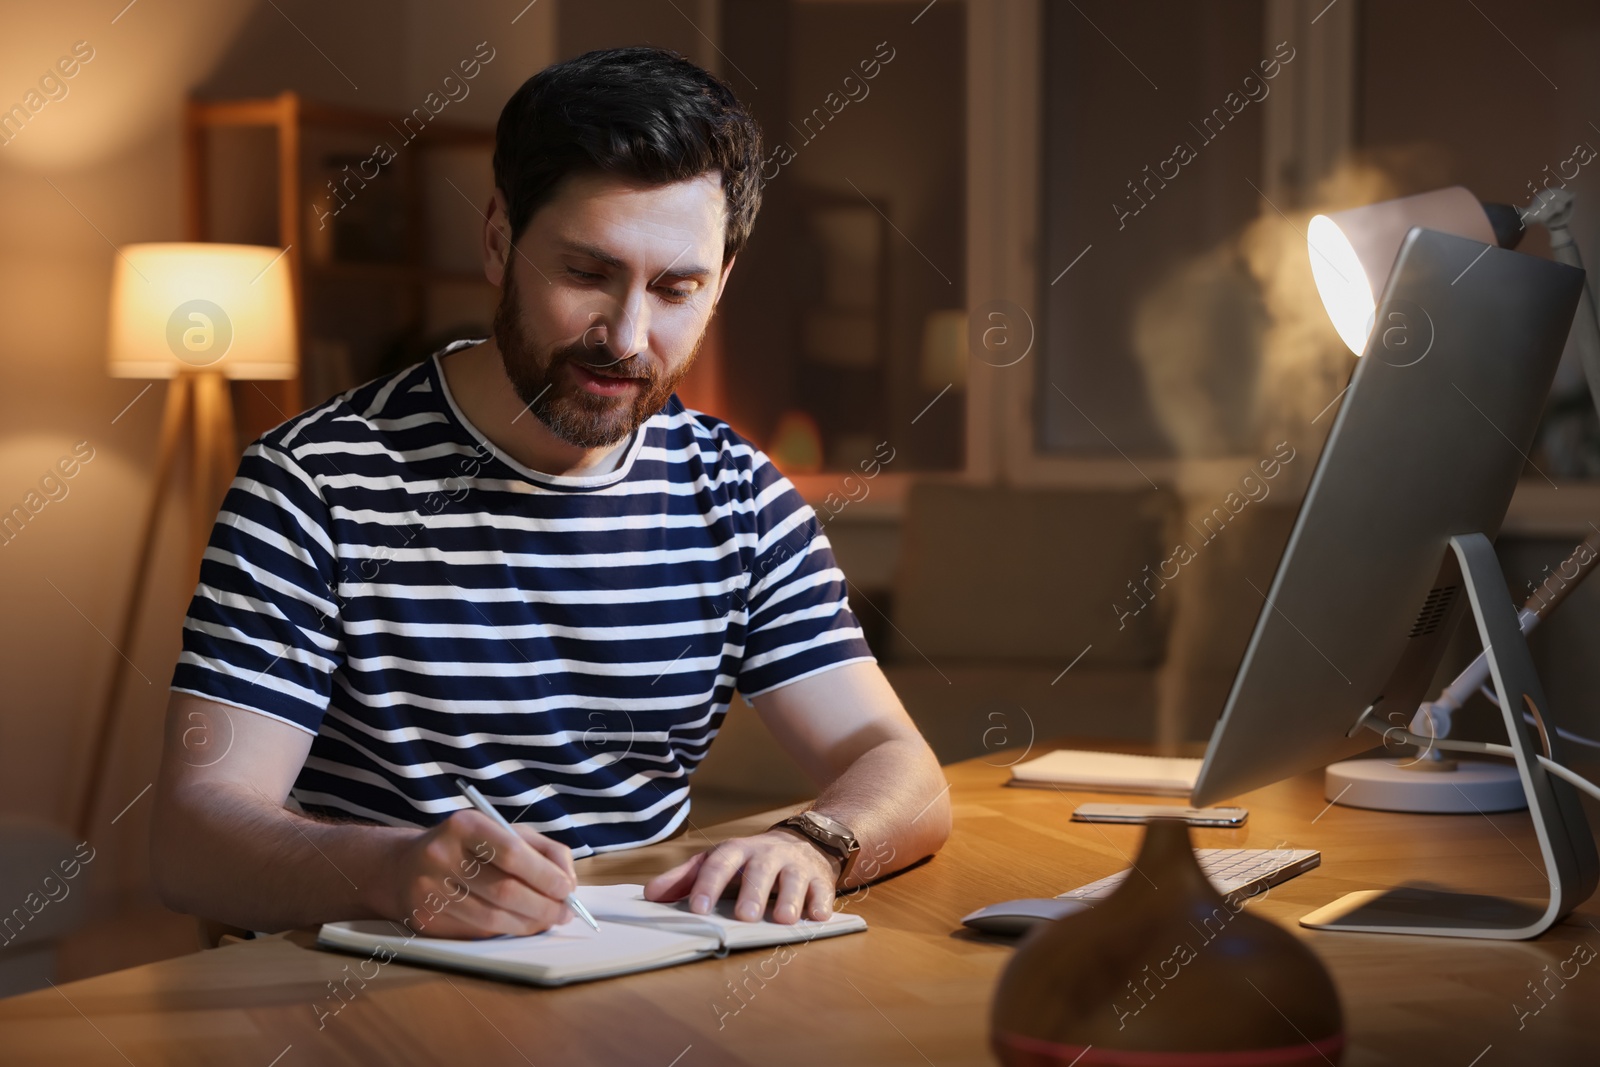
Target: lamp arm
(1433, 717)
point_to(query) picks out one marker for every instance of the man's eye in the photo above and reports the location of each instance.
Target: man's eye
(582, 275)
(677, 296)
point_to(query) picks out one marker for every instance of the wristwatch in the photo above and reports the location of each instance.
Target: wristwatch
(830, 835)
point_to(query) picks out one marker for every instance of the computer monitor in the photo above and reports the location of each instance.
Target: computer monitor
(1391, 549)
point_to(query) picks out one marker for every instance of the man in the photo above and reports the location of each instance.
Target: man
(523, 563)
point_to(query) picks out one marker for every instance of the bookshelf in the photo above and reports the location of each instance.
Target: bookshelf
(380, 214)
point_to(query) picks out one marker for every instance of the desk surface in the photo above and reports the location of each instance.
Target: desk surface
(915, 989)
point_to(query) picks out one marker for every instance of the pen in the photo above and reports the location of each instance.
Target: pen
(469, 791)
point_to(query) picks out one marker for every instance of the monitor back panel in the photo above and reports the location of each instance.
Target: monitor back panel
(1429, 442)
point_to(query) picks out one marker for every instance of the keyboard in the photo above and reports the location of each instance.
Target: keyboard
(1235, 872)
(1245, 871)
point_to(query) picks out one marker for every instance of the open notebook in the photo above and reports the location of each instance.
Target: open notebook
(635, 935)
(1109, 772)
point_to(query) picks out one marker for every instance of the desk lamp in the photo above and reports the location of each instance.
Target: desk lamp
(1352, 253)
(197, 315)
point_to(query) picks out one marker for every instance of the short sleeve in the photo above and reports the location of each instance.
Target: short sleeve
(263, 629)
(800, 622)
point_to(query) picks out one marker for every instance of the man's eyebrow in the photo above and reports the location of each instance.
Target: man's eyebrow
(593, 253)
(684, 272)
(674, 270)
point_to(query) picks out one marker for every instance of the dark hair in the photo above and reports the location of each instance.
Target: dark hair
(644, 113)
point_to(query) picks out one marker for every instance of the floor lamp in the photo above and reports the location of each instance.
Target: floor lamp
(198, 315)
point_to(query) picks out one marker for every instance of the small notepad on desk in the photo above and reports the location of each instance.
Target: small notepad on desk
(635, 935)
(1109, 772)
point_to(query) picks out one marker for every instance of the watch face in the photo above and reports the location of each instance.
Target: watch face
(833, 828)
(824, 823)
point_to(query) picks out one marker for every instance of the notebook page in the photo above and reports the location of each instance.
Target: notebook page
(627, 902)
(568, 952)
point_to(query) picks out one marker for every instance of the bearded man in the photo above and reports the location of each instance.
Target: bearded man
(525, 564)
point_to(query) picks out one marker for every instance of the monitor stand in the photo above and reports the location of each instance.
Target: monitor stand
(1565, 843)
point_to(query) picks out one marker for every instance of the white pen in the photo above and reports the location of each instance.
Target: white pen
(469, 791)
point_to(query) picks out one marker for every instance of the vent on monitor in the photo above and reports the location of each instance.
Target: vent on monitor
(1434, 610)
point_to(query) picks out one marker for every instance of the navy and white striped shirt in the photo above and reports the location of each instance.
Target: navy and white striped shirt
(382, 577)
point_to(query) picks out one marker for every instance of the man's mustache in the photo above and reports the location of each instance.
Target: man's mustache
(602, 360)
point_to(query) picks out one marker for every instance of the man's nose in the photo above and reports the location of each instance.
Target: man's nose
(621, 325)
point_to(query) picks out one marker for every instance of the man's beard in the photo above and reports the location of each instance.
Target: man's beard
(572, 413)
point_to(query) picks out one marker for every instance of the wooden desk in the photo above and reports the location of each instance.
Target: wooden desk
(915, 989)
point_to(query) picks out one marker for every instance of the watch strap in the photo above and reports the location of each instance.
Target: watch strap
(825, 841)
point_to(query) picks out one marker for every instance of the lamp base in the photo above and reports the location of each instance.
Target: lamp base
(1473, 787)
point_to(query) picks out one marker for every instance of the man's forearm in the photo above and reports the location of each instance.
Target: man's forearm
(895, 800)
(233, 856)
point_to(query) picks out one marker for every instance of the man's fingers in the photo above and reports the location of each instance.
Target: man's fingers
(716, 871)
(516, 856)
(551, 849)
(820, 899)
(763, 871)
(676, 883)
(476, 916)
(473, 833)
(470, 913)
(470, 876)
(513, 895)
(755, 885)
(791, 896)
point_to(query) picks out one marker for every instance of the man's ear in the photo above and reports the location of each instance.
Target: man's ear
(497, 244)
(722, 282)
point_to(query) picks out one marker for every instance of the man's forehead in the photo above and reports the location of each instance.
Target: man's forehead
(596, 209)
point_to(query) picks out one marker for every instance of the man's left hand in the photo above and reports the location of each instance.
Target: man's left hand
(778, 864)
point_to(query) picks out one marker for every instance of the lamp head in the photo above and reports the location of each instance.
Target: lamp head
(1353, 251)
(224, 308)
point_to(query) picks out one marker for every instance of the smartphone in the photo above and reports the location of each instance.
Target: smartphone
(1145, 812)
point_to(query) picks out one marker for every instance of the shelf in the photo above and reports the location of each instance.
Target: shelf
(292, 108)
(298, 127)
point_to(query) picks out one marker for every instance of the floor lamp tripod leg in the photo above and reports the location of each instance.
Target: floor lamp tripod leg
(214, 456)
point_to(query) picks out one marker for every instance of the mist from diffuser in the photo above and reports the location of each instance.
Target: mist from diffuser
(222, 308)
(1353, 251)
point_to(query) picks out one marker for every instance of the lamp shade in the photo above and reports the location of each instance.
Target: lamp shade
(1353, 251)
(202, 307)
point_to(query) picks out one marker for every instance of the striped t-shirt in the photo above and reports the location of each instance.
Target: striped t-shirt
(384, 578)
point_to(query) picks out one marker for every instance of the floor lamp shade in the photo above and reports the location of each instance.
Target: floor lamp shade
(1353, 251)
(224, 308)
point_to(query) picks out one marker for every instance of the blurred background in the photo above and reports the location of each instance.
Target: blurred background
(1028, 300)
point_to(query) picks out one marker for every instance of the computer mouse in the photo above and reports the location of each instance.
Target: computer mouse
(1015, 917)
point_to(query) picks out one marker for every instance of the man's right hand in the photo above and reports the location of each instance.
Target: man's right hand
(223, 845)
(467, 877)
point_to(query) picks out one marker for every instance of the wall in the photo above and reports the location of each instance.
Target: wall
(97, 168)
